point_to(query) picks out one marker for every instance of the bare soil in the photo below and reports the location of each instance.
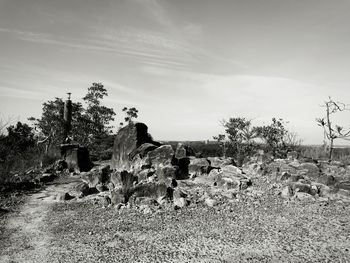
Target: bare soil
(263, 228)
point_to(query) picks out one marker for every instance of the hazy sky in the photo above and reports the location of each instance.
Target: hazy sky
(185, 64)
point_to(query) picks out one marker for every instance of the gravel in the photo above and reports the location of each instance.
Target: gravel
(254, 229)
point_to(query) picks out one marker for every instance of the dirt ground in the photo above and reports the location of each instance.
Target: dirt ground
(251, 229)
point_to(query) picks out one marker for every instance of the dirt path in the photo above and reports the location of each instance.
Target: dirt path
(29, 238)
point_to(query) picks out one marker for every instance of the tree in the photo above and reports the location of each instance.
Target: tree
(49, 128)
(221, 139)
(243, 138)
(240, 136)
(90, 124)
(16, 148)
(332, 131)
(274, 136)
(130, 114)
(97, 116)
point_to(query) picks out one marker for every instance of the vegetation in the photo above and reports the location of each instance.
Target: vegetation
(243, 139)
(17, 151)
(332, 131)
(130, 114)
(90, 124)
(23, 147)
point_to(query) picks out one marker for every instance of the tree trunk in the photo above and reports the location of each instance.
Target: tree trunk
(331, 150)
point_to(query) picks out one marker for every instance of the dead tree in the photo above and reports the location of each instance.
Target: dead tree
(332, 131)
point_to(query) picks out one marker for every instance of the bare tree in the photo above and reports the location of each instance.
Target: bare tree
(332, 131)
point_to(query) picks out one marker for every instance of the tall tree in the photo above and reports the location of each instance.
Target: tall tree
(97, 116)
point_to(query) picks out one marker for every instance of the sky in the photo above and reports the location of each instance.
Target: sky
(184, 64)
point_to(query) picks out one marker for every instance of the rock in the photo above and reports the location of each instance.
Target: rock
(143, 149)
(252, 169)
(260, 157)
(286, 192)
(118, 197)
(210, 202)
(323, 190)
(64, 197)
(98, 175)
(144, 175)
(180, 202)
(279, 166)
(345, 185)
(101, 188)
(310, 169)
(228, 179)
(145, 209)
(106, 201)
(198, 166)
(343, 192)
(45, 178)
(313, 190)
(285, 176)
(229, 183)
(182, 168)
(127, 140)
(166, 174)
(60, 165)
(179, 198)
(82, 189)
(300, 187)
(191, 152)
(301, 196)
(162, 156)
(217, 162)
(138, 164)
(153, 190)
(295, 178)
(180, 151)
(231, 170)
(123, 179)
(77, 158)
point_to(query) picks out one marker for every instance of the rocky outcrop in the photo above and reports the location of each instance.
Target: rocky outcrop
(127, 143)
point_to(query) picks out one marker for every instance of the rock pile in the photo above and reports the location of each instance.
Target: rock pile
(144, 172)
(150, 176)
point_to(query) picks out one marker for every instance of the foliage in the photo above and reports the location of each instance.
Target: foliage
(130, 114)
(243, 139)
(273, 136)
(90, 124)
(97, 116)
(49, 126)
(221, 139)
(332, 131)
(17, 150)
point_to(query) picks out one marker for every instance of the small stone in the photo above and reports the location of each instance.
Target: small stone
(210, 202)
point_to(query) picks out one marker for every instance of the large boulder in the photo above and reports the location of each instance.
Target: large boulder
(76, 157)
(143, 150)
(127, 142)
(198, 166)
(123, 180)
(311, 170)
(183, 151)
(98, 175)
(162, 156)
(218, 162)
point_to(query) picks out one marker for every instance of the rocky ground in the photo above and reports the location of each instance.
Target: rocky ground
(153, 203)
(255, 226)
